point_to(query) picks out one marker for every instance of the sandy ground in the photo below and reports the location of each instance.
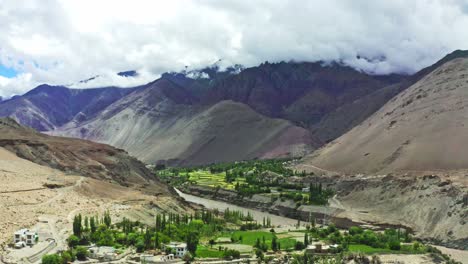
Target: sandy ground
(456, 254)
(26, 203)
(407, 259)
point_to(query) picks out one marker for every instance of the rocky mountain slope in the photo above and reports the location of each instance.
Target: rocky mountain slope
(422, 129)
(163, 122)
(213, 115)
(184, 117)
(74, 156)
(304, 93)
(48, 107)
(407, 163)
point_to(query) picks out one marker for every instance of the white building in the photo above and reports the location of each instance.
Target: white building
(26, 236)
(180, 249)
(150, 259)
(102, 253)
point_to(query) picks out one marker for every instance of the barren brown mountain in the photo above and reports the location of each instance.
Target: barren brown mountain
(424, 128)
(161, 122)
(407, 163)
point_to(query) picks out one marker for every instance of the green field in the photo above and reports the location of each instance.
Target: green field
(206, 178)
(250, 238)
(405, 249)
(206, 252)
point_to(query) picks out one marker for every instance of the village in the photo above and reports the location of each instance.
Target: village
(26, 241)
(209, 237)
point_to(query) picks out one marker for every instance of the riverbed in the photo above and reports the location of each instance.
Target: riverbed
(258, 215)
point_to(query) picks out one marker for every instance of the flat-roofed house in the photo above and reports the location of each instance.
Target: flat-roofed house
(26, 236)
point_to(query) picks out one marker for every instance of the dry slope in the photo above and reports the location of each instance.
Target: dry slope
(407, 163)
(424, 128)
(73, 156)
(161, 122)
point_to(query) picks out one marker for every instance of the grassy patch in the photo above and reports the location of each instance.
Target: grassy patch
(250, 238)
(205, 252)
(405, 249)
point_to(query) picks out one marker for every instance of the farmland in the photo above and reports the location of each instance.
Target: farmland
(248, 178)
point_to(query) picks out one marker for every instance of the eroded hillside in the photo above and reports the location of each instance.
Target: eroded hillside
(74, 156)
(161, 122)
(422, 129)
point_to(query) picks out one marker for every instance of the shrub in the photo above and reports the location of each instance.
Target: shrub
(66, 257)
(231, 254)
(51, 259)
(140, 246)
(73, 241)
(354, 230)
(299, 245)
(394, 244)
(81, 253)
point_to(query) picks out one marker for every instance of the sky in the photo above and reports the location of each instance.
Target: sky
(61, 42)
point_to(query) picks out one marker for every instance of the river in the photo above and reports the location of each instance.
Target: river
(221, 206)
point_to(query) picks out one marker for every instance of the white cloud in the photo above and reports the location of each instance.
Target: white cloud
(64, 41)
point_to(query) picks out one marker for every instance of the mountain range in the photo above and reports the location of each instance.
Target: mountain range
(285, 109)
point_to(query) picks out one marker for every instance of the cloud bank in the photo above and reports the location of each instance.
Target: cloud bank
(64, 41)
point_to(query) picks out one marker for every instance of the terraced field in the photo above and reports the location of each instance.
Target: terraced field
(206, 178)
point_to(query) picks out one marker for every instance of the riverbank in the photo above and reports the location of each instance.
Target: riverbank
(285, 211)
(222, 205)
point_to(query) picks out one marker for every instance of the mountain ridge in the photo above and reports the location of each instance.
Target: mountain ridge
(319, 102)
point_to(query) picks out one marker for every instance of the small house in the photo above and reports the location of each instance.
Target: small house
(26, 236)
(179, 249)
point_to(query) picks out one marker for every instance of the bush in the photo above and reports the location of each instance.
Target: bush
(73, 241)
(81, 253)
(394, 244)
(66, 257)
(140, 246)
(51, 259)
(299, 245)
(231, 254)
(354, 230)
